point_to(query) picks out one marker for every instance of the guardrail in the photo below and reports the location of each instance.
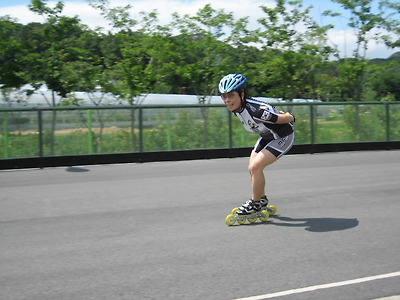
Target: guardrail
(65, 131)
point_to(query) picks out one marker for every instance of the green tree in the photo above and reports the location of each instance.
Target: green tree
(386, 82)
(60, 34)
(202, 43)
(367, 26)
(131, 79)
(12, 52)
(291, 55)
(206, 42)
(390, 23)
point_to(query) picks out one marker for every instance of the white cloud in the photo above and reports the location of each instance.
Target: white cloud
(21, 13)
(378, 50)
(165, 8)
(344, 39)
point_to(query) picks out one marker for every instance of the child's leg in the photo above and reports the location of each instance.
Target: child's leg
(258, 162)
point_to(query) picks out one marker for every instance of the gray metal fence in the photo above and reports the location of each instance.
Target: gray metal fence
(57, 131)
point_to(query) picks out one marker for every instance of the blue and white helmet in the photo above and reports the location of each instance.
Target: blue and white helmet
(232, 82)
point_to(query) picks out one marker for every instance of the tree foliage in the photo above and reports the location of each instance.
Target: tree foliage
(367, 26)
(287, 57)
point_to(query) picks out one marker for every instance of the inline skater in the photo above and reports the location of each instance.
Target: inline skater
(275, 130)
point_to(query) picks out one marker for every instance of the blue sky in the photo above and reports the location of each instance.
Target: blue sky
(340, 36)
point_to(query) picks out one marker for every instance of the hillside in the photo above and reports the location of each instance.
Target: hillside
(383, 61)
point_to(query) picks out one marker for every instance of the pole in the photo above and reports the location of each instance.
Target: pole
(169, 142)
(90, 133)
(5, 134)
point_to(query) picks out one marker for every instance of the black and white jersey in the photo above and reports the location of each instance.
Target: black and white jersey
(260, 117)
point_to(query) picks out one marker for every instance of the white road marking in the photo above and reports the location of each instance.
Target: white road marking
(322, 286)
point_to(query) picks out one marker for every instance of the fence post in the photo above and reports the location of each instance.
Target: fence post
(168, 116)
(40, 124)
(387, 121)
(140, 129)
(312, 133)
(5, 134)
(90, 133)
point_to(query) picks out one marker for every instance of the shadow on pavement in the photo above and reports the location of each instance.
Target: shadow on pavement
(315, 224)
(76, 169)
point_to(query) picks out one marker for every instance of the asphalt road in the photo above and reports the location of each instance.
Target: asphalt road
(157, 230)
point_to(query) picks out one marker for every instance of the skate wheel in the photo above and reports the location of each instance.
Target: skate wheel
(252, 218)
(264, 218)
(272, 210)
(234, 210)
(230, 220)
(241, 221)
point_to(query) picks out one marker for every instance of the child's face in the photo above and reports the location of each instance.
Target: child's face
(231, 100)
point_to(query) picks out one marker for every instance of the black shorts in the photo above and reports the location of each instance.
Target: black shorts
(277, 147)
